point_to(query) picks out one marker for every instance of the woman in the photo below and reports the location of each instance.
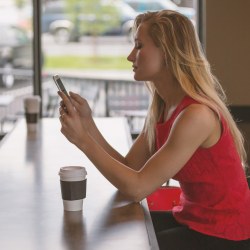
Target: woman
(189, 135)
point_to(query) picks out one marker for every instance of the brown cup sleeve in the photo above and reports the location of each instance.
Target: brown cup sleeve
(73, 190)
(31, 118)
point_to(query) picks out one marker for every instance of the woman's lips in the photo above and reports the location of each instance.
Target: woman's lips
(134, 68)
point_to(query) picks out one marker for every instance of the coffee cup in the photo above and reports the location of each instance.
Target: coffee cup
(32, 112)
(73, 187)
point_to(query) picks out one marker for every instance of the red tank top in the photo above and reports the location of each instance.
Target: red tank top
(215, 198)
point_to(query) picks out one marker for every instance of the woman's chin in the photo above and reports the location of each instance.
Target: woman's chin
(138, 78)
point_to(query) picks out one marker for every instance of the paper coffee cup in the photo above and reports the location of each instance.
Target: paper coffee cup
(32, 112)
(73, 187)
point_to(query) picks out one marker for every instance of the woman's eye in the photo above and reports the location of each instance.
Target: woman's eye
(138, 46)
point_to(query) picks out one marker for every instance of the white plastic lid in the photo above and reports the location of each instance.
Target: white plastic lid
(72, 172)
(32, 104)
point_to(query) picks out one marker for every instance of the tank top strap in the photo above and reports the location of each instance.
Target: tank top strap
(186, 101)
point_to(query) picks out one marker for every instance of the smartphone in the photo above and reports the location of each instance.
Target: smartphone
(60, 85)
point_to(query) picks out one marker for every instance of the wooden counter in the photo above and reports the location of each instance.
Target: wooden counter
(31, 209)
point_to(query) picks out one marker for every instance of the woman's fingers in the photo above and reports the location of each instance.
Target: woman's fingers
(63, 116)
(78, 99)
(61, 110)
(75, 97)
(66, 102)
(63, 106)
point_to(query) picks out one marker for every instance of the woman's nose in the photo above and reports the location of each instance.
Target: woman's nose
(130, 57)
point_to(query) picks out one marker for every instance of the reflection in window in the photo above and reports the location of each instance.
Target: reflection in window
(16, 61)
(86, 42)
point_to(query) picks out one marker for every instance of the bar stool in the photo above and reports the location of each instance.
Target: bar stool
(164, 198)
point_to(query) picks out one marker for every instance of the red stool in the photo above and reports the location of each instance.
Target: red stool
(164, 198)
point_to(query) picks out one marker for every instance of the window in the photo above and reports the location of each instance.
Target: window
(16, 60)
(86, 42)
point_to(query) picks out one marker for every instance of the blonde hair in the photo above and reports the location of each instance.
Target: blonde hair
(175, 35)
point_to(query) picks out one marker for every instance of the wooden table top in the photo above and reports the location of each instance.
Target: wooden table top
(31, 209)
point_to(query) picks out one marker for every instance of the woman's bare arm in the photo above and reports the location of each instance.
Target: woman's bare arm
(138, 153)
(194, 127)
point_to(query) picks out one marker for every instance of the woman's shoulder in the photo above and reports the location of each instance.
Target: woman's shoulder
(198, 116)
(198, 111)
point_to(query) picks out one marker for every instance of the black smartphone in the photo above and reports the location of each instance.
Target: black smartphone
(60, 85)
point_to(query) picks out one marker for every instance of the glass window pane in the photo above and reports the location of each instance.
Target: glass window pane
(186, 7)
(87, 42)
(16, 60)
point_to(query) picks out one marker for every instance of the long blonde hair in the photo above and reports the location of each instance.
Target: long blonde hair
(175, 35)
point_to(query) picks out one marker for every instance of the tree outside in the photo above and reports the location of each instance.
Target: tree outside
(90, 17)
(93, 17)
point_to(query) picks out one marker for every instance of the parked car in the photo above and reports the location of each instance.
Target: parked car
(151, 5)
(67, 24)
(15, 54)
(154, 5)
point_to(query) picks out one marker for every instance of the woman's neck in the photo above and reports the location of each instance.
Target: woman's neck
(171, 100)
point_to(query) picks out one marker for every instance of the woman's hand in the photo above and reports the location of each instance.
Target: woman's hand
(72, 112)
(81, 106)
